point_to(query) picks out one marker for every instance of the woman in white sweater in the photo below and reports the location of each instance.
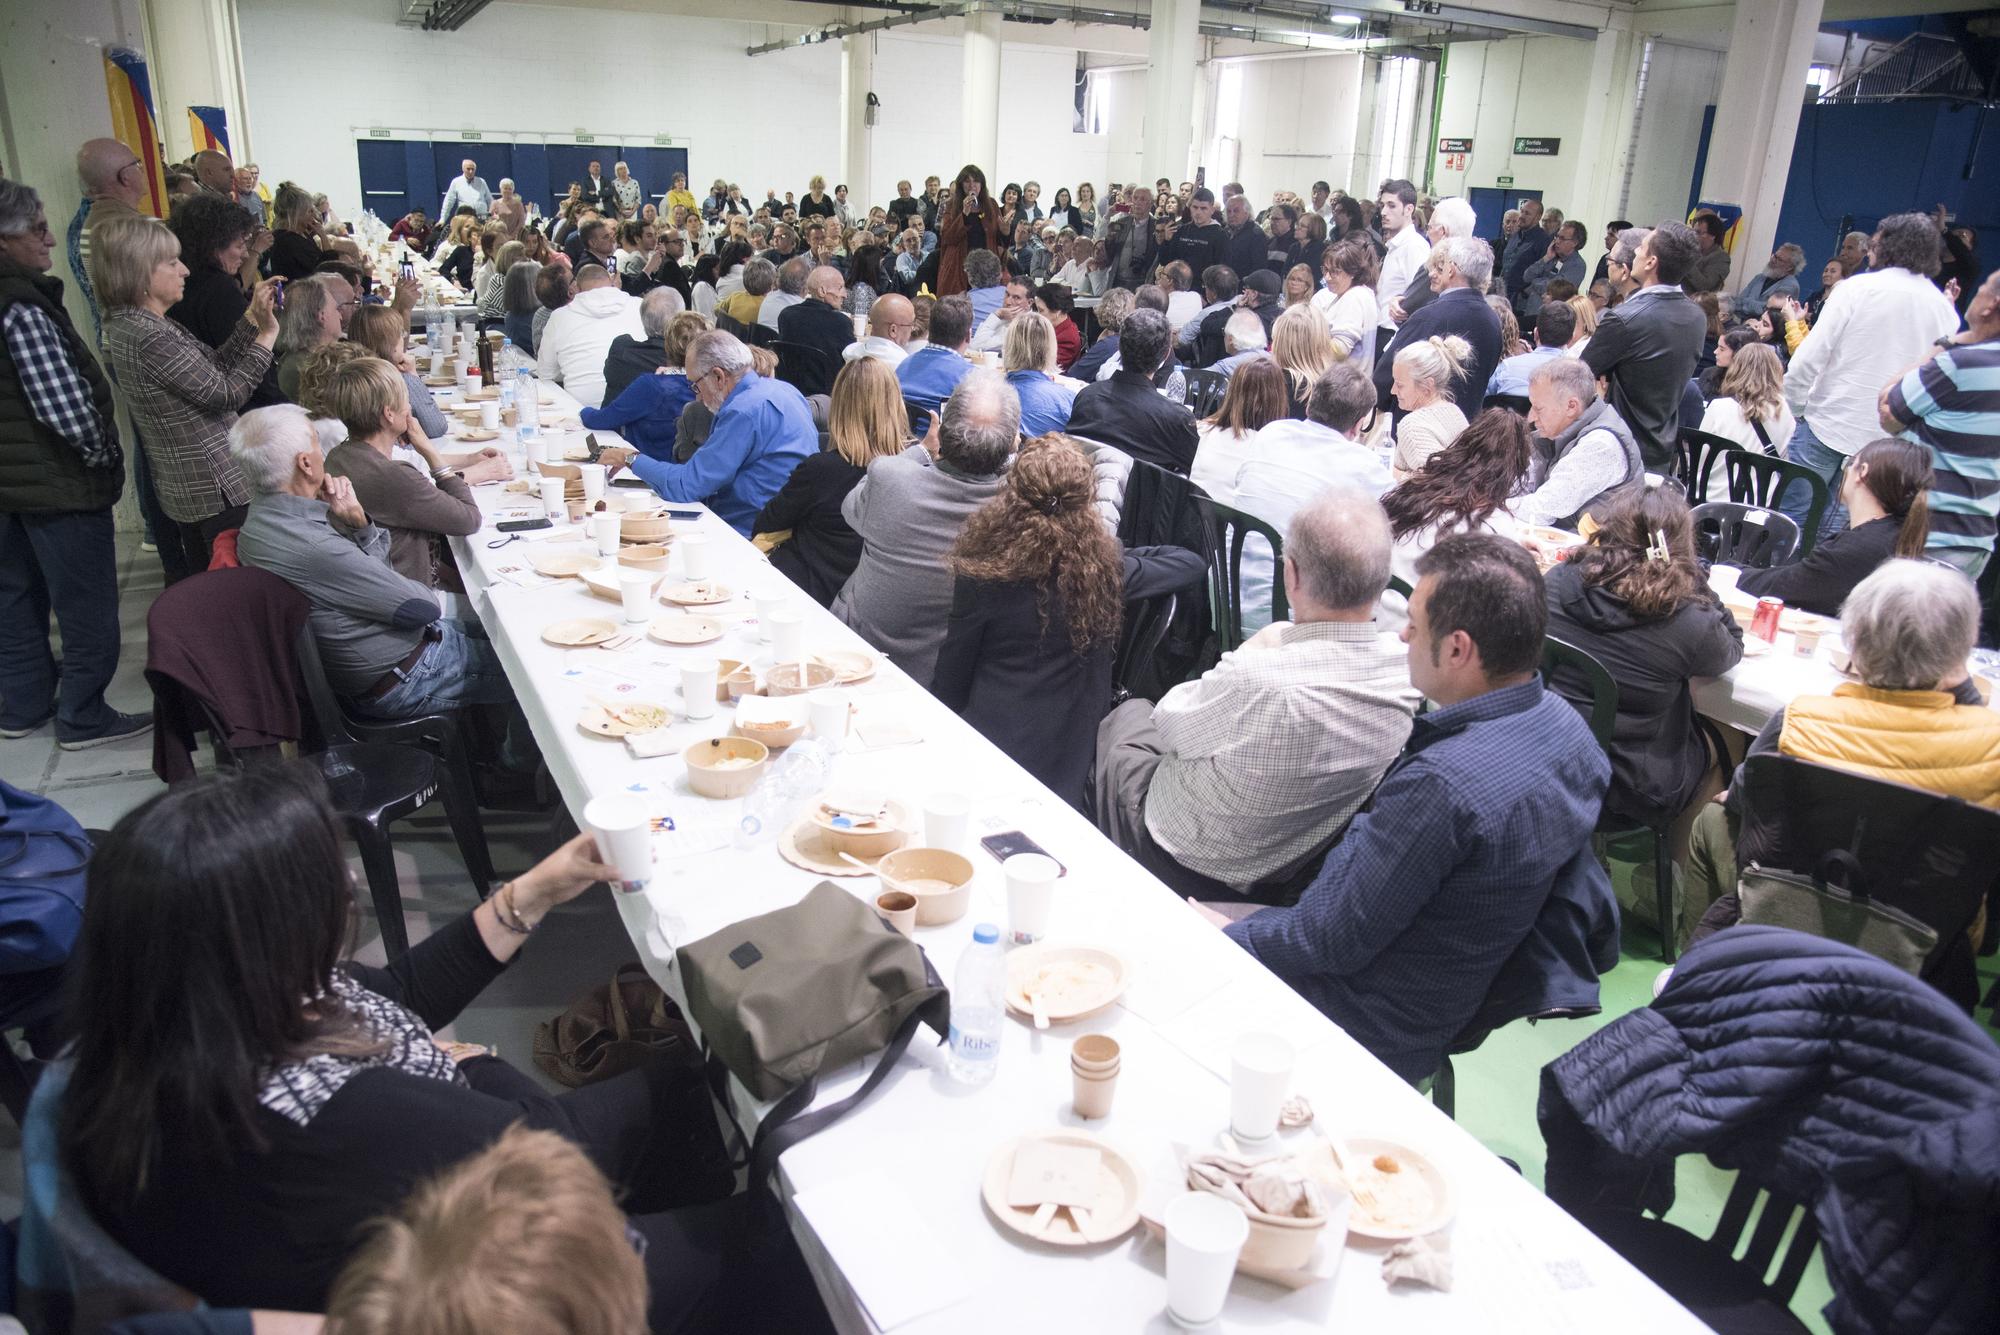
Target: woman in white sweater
(1346, 299)
(1750, 410)
(1421, 382)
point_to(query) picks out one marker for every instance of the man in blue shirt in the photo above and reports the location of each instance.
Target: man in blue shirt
(1432, 888)
(1554, 327)
(762, 430)
(932, 372)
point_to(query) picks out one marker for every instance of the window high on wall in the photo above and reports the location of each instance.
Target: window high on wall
(1398, 88)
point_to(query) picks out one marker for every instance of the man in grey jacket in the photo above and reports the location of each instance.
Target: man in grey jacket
(908, 511)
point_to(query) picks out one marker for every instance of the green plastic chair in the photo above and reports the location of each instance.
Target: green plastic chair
(1232, 528)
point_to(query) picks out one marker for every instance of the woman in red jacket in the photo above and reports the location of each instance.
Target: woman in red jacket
(968, 220)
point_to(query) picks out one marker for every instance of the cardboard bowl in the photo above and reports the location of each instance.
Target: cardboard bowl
(872, 842)
(706, 761)
(647, 527)
(644, 556)
(784, 679)
(908, 869)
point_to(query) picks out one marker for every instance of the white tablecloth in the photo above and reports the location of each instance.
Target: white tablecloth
(1522, 1263)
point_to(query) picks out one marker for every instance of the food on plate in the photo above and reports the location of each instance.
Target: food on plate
(1068, 984)
(1386, 1197)
(643, 718)
(734, 762)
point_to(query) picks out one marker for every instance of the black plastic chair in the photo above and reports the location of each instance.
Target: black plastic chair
(729, 324)
(1145, 630)
(1205, 390)
(1231, 529)
(1695, 460)
(440, 734)
(379, 779)
(1513, 403)
(1705, 1275)
(1726, 533)
(807, 369)
(1562, 658)
(1762, 480)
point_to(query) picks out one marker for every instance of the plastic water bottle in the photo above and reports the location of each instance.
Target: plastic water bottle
(782, 794)
(978, 1007)
(528, 406)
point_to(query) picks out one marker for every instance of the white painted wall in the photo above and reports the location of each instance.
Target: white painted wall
(1296, 124)
(1681, 82)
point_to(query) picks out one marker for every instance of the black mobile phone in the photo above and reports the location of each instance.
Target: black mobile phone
(682, 514)
(590, 443)
(522, 525)
(638, 483)
(1009, 842)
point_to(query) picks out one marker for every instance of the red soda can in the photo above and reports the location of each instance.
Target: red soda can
(1764, 623)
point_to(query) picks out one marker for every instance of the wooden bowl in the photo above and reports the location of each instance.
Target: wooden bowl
(870, 843)
(919, 872)
(784, 678)
(645, 526)
(644, 556)
(725, 766)
(1280, 1242)
(776, 735)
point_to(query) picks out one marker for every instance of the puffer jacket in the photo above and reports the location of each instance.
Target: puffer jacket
(1823, 1074)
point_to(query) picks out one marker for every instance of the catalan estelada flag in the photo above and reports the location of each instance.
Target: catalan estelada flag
(131, 95)
(208, 127)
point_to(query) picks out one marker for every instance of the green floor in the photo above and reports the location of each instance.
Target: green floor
(1497, 1086)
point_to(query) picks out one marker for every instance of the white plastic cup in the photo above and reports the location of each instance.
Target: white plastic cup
(1723, 578)
(947, 821)
(828, 710)
(1031, 896)
(462, 373)
(593, 483)
(1205, 1234)
(624, 837)
(1260, 1075)
(768, 601)
(694, 555)
(635, 591)
(553, 504)
(788, 635)
(604, 530)
(440, 359)
(489, 414)
(553, 448)
(698, 687)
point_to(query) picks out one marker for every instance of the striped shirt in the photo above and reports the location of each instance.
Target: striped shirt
(1272, 752)
(184, 396)
(1952, 403)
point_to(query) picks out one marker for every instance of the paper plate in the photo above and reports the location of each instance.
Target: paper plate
(563, 565)
(483, 393)
(603, 581)
(440, 381)
(621, 722)
(684, 630)
(849, 665)
(1371, 1221)
(1113, 1211)
(705, 593)
(579, 633)
(1082, 980)
(476, 435)
(804, 845)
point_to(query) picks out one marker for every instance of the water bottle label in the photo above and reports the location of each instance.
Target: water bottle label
(974, 1047)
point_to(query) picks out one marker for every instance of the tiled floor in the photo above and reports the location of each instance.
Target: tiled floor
(580, 945)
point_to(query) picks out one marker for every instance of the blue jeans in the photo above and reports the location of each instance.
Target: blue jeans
(1829, 464)
(63, 563)
(460, 669)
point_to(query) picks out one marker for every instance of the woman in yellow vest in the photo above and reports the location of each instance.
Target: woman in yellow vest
(1914, 716)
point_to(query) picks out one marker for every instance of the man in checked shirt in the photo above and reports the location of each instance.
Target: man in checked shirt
(60, 473)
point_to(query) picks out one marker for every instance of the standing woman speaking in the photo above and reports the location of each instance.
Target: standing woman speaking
(968, 220)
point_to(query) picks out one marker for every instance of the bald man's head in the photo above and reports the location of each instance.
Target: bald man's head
(826, 284)
(592, 276)
(108, 170)
(892, 317)
(212, 169)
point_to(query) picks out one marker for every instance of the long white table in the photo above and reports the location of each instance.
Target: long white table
(922, 1140)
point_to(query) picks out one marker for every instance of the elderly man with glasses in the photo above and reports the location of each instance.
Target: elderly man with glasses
(762, 430)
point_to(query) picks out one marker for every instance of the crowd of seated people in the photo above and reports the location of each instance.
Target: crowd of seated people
(912, 410)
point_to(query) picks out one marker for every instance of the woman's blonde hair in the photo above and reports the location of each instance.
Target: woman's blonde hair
(524, 1237)
(316, 371)
(464, 230)
(1436, 361)
(1586, 316)
(867, 420)
(682, 331)
(1756, 380)
(509, 255)
(762, 360)
(292, 209)
(1312, 282)
(1030, 344)
(124, 251)
(360, 391)
(1303, 347)
(380, 330)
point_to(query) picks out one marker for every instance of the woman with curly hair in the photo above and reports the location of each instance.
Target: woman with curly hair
(1035, 613)
(968, 220)
(220, 245)
(1634, 598)
(1463, 489)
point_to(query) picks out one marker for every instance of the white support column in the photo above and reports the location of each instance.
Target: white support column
(1757, 118)
(1604, 131)
(979, 112)
(857, 78)
(1170, 79)
(197, 61)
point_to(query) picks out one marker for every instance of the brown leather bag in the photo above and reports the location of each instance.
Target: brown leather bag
(612, 1029)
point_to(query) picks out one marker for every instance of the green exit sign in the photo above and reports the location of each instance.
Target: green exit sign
(472, 134)
(1503, 180)
(663, 140)
(378, 134)
(582, 138)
